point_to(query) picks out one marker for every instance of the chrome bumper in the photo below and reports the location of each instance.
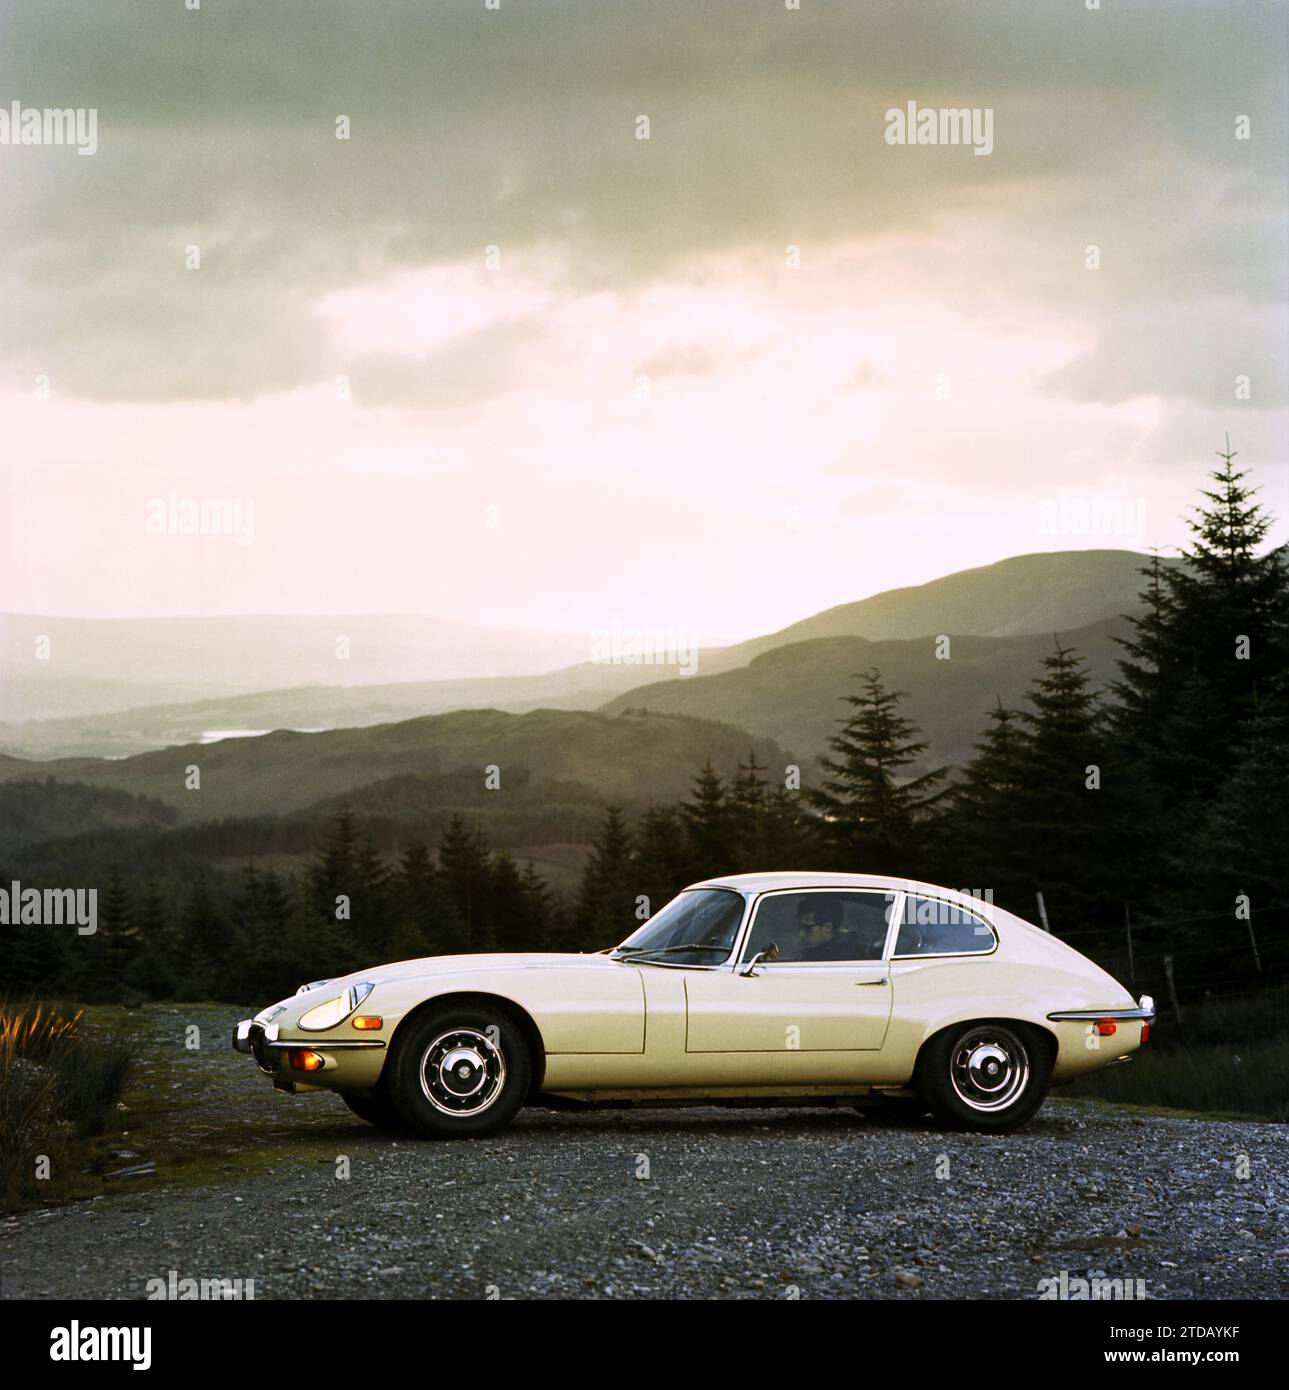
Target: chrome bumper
(249, 1035)
(259, 1040)
(1145, 1011)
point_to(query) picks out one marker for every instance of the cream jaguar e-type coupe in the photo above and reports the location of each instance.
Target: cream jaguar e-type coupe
(798, 988)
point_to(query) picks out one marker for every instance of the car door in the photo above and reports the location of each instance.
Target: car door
(830, 998)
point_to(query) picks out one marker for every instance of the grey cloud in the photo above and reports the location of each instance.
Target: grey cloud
(1195, 350)
(471, 127)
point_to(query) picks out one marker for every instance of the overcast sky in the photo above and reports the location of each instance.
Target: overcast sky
(644, 413)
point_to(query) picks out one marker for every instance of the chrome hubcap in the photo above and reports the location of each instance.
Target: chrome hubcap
(989, 1068)
(462, 1072)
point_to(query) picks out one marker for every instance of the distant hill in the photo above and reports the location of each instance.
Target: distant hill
(29, 693)
(1058, 591)
(1035, 595)
(629, 758)
(161, 660)
(793, 694)
(144, 727)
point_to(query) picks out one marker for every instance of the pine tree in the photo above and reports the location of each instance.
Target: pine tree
(1150, 670)
(309, 943)
(979, 830)
(1224, 626)
(251, 937)
(540, 926)
(709, 826)
(155, 972)
(274, 963)
(875, 817)
(661, 857)
(463, 870)
(427, 921)
(331, 886)
(606, 896)
(512, 908)
(1209, 652)
(33, 959)
(1237, 845)
(370, 924)
(116, 938)
(204, 943)
(1068, 807)
(275, 903)
(747, 816)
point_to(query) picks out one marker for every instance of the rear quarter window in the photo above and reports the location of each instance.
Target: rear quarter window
(932, 927)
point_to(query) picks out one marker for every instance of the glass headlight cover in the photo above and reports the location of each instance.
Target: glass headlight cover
(334, 1011)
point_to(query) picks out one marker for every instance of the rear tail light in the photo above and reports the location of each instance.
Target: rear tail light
(1107, 1027)
(1145, 1032)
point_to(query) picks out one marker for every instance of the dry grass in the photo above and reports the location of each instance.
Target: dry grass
(57, 1089)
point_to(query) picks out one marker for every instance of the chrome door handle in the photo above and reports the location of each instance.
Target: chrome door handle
(882, 981)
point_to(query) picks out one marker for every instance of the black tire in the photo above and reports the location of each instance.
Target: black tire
(459, 1071)
(377, 1110)
(988, 1075)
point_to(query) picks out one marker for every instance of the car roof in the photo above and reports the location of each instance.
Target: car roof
(810, 878)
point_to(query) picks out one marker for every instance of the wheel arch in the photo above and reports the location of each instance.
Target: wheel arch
(520, 1016)
(1042, 1029)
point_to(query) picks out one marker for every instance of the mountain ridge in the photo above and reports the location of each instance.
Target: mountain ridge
(1021, 595)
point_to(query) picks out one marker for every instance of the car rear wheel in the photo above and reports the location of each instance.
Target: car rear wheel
(377, 1110)
(459, 1071)
(985, 1076)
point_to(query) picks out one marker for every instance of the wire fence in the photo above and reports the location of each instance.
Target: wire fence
(1238, 977)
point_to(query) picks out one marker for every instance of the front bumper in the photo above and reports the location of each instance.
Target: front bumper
(347, 1063)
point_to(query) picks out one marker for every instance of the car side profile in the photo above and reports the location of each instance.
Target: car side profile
(774, 988)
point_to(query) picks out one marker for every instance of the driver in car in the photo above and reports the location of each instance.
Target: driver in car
(819, 919)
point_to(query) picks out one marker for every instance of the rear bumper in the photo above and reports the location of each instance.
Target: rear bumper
(1145, 1012)
(1081, 1046)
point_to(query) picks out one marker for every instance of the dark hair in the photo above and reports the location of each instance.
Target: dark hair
(826, 908)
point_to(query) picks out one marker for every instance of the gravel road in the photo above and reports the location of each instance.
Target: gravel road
(310, 1203)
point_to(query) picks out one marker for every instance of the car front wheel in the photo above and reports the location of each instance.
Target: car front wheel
(985, 1076)
(459, 1071)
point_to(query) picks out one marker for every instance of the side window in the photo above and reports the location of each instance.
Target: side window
(821, 926)
(931, 927)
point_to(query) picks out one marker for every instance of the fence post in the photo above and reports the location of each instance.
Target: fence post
(1253, 941)
(1172, 988)
(1132, 970)
(1042, 912)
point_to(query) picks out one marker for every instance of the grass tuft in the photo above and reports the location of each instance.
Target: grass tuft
(57, 1087)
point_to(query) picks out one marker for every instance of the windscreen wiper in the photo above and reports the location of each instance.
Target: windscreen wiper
(669, 950)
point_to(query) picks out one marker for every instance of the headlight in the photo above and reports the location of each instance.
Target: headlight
(336, 1010)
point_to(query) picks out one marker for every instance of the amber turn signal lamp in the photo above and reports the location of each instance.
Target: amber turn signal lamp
(1107, 1027)
(369, 1022)
(307, 1061)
